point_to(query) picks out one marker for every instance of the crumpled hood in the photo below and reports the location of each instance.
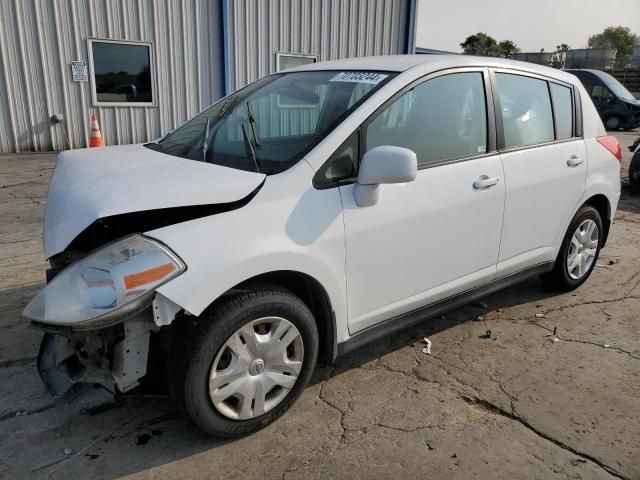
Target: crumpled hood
(89, 184)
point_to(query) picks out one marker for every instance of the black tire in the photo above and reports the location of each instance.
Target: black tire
(559, 278)
(613, 123)
(634, 169)
(198, 343)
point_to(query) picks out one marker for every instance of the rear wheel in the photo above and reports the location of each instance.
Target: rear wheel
(579, 251)
(242, 365)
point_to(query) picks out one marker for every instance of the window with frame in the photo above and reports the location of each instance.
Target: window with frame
(292, 60)
(525, 105)
(342, 165)
(121, 72)
(563, 110)
(441, 119)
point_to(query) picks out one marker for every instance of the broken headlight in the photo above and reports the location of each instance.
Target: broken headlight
(111, 281)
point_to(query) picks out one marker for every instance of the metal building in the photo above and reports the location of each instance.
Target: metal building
(431, 51)
(146, 66)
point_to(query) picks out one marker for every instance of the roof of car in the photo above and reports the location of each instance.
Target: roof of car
(598, 73)
(400, 63)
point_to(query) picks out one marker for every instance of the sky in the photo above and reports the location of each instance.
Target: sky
(531, 24)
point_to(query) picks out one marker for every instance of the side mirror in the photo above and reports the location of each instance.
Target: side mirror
(386, 164)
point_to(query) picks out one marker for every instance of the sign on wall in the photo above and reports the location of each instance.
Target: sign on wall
(79, 71)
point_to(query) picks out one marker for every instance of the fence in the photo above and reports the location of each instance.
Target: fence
(630, 78)
(540, 58)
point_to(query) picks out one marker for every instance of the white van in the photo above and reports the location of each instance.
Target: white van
(309, 213)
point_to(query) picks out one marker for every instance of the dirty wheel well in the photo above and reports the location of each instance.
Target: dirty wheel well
(313, 294)
(601, 204)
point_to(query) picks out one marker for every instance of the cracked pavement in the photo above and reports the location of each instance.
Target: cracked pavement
(526, 402)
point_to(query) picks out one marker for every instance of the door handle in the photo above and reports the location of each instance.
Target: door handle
(485, 182)
(574, 161)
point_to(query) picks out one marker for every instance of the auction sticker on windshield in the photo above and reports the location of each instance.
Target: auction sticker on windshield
(359, 77)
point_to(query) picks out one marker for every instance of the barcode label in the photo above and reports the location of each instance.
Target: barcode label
(359, 77)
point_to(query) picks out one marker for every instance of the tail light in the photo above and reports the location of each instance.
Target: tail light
(611, 143)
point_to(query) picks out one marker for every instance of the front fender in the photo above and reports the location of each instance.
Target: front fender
(289, 225)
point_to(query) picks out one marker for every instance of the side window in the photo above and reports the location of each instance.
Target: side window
(526, 110)
(440, 119)
(601, 94)
(340, 166)
(563, 110)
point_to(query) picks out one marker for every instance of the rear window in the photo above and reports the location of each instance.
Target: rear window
(526, 110)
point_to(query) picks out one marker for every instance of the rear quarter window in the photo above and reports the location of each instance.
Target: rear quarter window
(563, 110)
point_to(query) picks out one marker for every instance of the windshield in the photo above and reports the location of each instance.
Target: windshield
(269, 125)
(616, 87)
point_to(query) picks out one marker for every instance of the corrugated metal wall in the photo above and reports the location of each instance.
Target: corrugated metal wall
(330, 29)
(40, 38)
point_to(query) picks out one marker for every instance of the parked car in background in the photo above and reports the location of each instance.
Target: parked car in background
(617, 107)
(634, 166)
(309, 213)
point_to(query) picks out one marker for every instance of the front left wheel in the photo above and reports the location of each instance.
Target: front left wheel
(241, 365)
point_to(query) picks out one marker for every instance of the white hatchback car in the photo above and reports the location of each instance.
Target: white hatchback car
(309, 213)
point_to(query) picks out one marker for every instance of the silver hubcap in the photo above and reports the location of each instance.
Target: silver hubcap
(583, 248)
(256, 368)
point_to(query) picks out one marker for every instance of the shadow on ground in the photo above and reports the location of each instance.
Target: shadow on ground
(528, 291)
(629, 198)
(146, 430)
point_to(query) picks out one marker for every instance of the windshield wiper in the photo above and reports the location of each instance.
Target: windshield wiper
(252, 123)
(251, 153)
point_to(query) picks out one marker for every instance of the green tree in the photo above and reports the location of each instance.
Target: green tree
(559, 57)
(486, 46)
(480, 44)
(506, 48)
(622, 39)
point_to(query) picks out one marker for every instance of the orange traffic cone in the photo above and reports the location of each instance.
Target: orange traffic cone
(95, 139)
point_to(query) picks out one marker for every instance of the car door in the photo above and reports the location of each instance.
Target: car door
(438, 235)
(603, 99)
(545, 166)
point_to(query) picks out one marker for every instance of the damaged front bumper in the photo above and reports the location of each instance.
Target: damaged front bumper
(99, 311)
(115, 357)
